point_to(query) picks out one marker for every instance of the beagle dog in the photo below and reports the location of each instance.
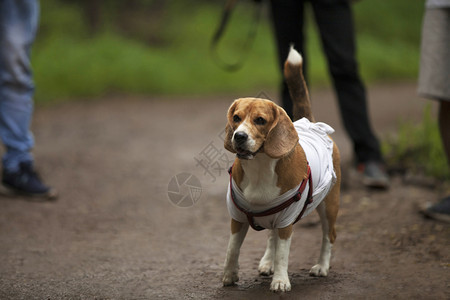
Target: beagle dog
(282, 171)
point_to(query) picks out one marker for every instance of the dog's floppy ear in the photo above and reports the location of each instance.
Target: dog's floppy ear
(282, 137)
(229, 128)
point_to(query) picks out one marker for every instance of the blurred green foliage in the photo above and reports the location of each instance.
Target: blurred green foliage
(418, 148)
(162, 47)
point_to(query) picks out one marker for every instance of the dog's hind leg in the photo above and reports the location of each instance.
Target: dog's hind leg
(231, 268)
(323, 265)
(266, 264)
(327, 210)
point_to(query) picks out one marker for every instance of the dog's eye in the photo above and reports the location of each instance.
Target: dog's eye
(260, 121)
(236, 119)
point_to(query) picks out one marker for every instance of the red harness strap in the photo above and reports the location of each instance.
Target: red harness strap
(251, 215)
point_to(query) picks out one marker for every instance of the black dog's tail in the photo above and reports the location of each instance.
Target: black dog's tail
(297, 86)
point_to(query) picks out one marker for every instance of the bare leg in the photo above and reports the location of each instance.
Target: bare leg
(444, 126)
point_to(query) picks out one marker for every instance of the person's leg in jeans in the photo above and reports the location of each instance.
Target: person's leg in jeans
(335, 22)
(18, 26)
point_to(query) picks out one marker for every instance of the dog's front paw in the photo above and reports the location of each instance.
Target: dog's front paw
(280, 284)
(230, 278)
(265, 268)
(319, 270)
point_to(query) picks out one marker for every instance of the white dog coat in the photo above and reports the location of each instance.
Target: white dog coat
(318, 147)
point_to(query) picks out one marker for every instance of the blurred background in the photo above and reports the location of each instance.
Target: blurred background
(128, 98)
(89, 49)
(161, 47)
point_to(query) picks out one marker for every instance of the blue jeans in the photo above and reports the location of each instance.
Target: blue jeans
(18, 25)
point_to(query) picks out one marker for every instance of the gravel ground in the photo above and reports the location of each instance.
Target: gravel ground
(115, 232)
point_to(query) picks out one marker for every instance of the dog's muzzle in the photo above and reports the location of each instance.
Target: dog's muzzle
(240, 144)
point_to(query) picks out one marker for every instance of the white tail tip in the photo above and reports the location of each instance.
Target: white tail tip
(294, 57)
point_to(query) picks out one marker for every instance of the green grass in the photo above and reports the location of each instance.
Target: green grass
(389, 38)
(71, 63)
(418, 148)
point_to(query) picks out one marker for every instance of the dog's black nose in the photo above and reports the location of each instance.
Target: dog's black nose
(240, 137)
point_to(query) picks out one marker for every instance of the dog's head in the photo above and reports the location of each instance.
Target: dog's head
(259, 126)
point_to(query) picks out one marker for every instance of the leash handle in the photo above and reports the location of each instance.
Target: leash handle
(234, 66)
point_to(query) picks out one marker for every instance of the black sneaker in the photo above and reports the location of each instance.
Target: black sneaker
(439, 211)
(27, 182)
(374, 175)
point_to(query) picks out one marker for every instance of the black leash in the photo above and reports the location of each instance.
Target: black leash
(229, 6)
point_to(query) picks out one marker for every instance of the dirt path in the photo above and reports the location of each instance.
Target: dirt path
(114, 234)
